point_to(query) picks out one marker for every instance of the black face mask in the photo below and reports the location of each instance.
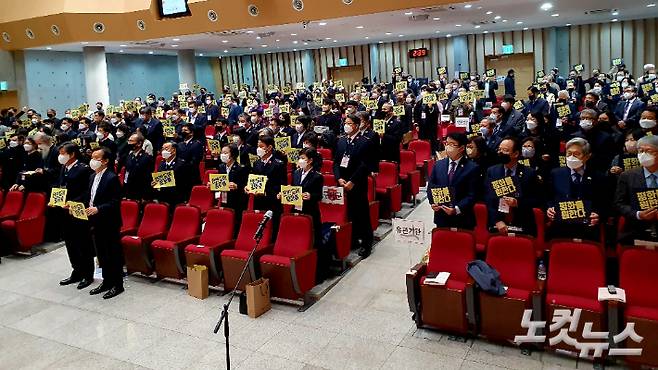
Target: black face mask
(50, 115)
(531, 97)
(132, 146)
(185, 134)
(589, 104)
(504, 158)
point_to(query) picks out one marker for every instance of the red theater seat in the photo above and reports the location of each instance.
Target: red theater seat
(217, 232)
(481, 228)
(136, 251)
(202, 198)
(423, 151)
(12, 206)
(444, 307)
(235, 254)
(337, 214)
(27, 230)
(575, 273)
(388, 191)
(325, 153)
(291, 266)
(409, 175)
(327, 166)
(329, 179)
(514, 258)
(169, 253)
(129, 217)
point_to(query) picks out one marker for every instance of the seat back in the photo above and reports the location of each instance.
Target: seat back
(451, 251)
(295, 235)
(185, 224)
(129, 214)
(576, 269)
(206, 176)
(387, 176)
(35, 206)
(422, 148)
(2, 197)
(12, 205)
(209, 132)
(514, 258)
(327, 166)
(325, 153)
(407, 161)
(481, 218)
(371, 189)
(336, 213)
(202, 198)
(219, 226)
(248, 227)
(158, 159)
(155, 220)
(329, 179)
(637, 275)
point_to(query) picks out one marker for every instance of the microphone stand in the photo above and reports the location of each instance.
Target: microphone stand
(224, 315)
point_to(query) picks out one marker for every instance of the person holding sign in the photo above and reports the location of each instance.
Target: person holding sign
(151, 127)
(311, 182)
(26, 181)
(328, 118)
(627, 159)
(198, 120)
(392, 136)
(276, 172)
(104, 213)
(139, 165)
(365, 130)
(629, 109)
(302, 125)
(489, 85)
(511, 191)
(221, 132)
(237, 177)
(352, 165)
(105, 139)
(74, 177)
(633, 184)
(180, 193)
(191, 151)
(577, 182)
(459, 176)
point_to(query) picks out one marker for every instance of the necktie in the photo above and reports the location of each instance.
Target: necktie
(508, 173)
(451, 173)
(627, 109)
(652, 182)
(576, 178)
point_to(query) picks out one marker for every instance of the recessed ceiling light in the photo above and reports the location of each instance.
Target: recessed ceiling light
(408, 13)
(478, 26)
(250, 31)
(400, 35)
(436, 18)
(327, 38)
(615, 13)
(85, 43)
(359, 27)
(306, 43)
(295, 42)
(225, 41)
(485, 32)
(322, 23)
(381, 42)
(123, 46)
(175, 40)
(150, 52)
(504, 20)
(367, 37)
(525, 28)
(546, 6)
(614, 20)
(555, 15)
(468, 6)
(49, 48)
(438, 31)
(489, 12)
(251, 48)
(257, 37)
(293, 34)
(448, 35)
(120, 51)
(294, 49)
(335, 40)
(226, 51)
(458, 25)
(651, 5)
(497, 17)
(277, 40)
(388, 34)
(201, 54)
(263, 46)
(174, 45)
(568, 24)
(519, 22)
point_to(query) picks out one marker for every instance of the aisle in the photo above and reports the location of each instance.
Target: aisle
(362, 323)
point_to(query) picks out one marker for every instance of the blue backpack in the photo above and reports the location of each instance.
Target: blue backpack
(486, 277)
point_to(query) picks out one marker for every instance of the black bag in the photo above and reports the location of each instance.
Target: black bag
(486, 277)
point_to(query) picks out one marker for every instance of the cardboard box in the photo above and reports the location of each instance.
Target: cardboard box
(197, 281)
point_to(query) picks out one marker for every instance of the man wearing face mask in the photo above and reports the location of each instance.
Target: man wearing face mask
(104, 212)
(276, 172)
(182, 176)
(426, 117)
(563, 98)
(629, 109)
(177, 119)
(212, 110)
(67, 129)
(401, 99)
(512, 117)
(235, 110)
(578, 181)
(365, 130)
(106, 140)
(237, 176)
(648, 120)
(460, 176)
(392, 136)
(253, 125)
(535, 104)
(191, 151)
(601, 142)
(649, 74)
(639, 224)
(139, 166)
(197, 119)
(512, 212)
(221, 134)
(151, 127)
(593, 100)
(52, 115)
(329, 118)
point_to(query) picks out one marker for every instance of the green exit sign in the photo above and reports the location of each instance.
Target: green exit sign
(508, 49)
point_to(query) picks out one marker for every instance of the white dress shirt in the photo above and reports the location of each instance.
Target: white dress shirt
(94, 186)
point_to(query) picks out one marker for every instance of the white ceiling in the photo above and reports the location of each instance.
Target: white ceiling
(440, 21)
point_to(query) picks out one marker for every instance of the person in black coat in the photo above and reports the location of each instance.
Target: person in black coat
(104, 214)
(198, 120)
(151, 127)
(601, 142)
(328, 118)
(237, 177)
(535, 104)
(191, 150)
(302, 126)
(74, 177)
(25, 181)
(104, 140)
(244, 149)
(139, 166)
(392, 136)
(628, 111)
(276, 172)
(510, 85)
(352, 165)
(427, 119)
(182, 175)
(49, 153)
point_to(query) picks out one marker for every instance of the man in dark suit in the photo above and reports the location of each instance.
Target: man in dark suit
(639, 224)
(329, 118)
(221, 132)
(235, 110)
(459, 176)
(535, 104)
(104, 214)
(512, 117)
(191, 150)
(578, 181)
(392, 136)
(628, 111)
(352, 165)
(103, 133)
(151, 127)
(302, 126)
(602, 143)
(139, 166)
(182, 176)
(513, 211)
(74, 177)
(365, 130)
(237, 177)
(426, 117)
(251, 125)
(510, 85)
(198, 120)
(311, 182)
(276, 172)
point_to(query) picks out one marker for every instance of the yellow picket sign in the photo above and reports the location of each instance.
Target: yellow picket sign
(169, 130)
(284, 108)
(57, 197)
(340, 98)
(293, 154)
(256, 184)
(93, 145)
(218, 182)
(215, 147)
(269, 112)
(3, 144)
(398, 110)
(78, 210)
(379, 126)
(292, 195)
(225, 112)
(252, 159)
(401, 86)
(164, 179)
(281, 143)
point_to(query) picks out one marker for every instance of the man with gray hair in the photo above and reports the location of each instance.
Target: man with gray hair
(602, 143)
(640, 217)
(578, 181)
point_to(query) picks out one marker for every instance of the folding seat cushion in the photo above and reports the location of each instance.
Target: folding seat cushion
(575, 272)
(12, 206)
(514, 259)
(136, 248)
(292, 264)
(169, 253)
(129, 217)
(444, 307)
(27, 230)
(202, 198)
(216, 235)
(337, 214)
(373, 204)
(637, 276)
(481, 229)
(388, 191)
(409, 175)
(235, 255)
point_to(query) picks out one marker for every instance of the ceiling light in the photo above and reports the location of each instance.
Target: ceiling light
(367, 37)
(225, 41)
(546, 6)
(436, 18)
(174, 45)
(525, 28)
(519, 22)
(489, 12)
(150, 52)
(478, 26)
(263, 46)
(226, 51)
(359, 27)
(251, 48)
(293, 34)
(322, 23)
(614, 20)
(381, 42)
(568, 24)
(555, 15)
(250, 31)
(485, 32)
(448, 35)
(175, 40)
(468, 6)
(201, 54)
(123, 46)
(294, 49)
(327, 38)
(257, 37)
(277, 40)
(651, 5)
(388, 34)
(497, 17)
(615, 13)
(306, 43)
(85, 43)
(504, 20)
(458, 25)
(438, 31)
(120, 51)
(400, 35)
(408, 13)
(49, 48)
(295, 42)
(335, 40)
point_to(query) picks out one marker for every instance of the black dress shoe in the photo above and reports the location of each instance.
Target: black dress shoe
(85, 283)
(115, 291)
(365, 252)
(99, 289)
(70, 280)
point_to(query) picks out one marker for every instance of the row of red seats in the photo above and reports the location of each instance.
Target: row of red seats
(22, 220)
(576, 271)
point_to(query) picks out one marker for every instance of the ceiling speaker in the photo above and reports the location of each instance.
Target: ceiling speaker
(212, 15)
(55, 30)
(348, 2)
(6, 37)
(29, 34)
(141, 25)
(99, 27)
(298, 5)
(253, 10)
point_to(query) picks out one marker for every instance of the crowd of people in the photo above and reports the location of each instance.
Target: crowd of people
(575, 142)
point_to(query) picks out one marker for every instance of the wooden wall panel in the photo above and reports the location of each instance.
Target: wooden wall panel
(479, 51)
(639, 51)
(528, 44)
(585, 45)
(604, 42)
(538, 49)
(517, 41)
(498, 43)
(627, 44)
(616, 40)
(595, 48)
(427, 62)
(472, 57)
(434, 54)
(350, 56)
(365, 55)
(488, 44)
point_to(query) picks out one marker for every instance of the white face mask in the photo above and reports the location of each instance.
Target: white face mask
(260, 152)
(647, 123)
(208, 102)
(13, 144)
(174, 117)
(493, 117)
(505, 105)
(28, 147)
(95, 164)
(224, 157)
(302, 163)
(619, 78)
(597, 90)
(409, 100)
(35, 121)
(63, 158)
(166, 154)
(100, 135)
(64, 127)
(624, 84)
(531, 125)
(484, 131)
(236, 140)
(82, 127)
(242, 124)
(114, 120)
(646, 159)
(192, 110)
(586, 124)
(120, 134)
(469, 152)
(348, 129)
(628, 95)
(574, 163)
(528, 152)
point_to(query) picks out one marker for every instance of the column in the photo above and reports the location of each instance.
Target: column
(374, 63)
(96, 83)
(247, 70)
(460, 53)
(186, 68)
(309, 67)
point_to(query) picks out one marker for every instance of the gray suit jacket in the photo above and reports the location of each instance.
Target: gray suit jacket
(629, 183)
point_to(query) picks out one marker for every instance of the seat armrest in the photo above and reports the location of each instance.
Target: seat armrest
(413, 289)
(148, 239)
(229, 244)
(302, 271)
(130, 231)
(190, 240)
(470, 303)
(614, 308)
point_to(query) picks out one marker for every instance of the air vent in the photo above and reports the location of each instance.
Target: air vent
(55, 30)
(599, 11)
(6, 37)
(253, 10)
(145, 43)
(141, 25)
(29, 34)
(212, 15)
(266, 34)
(298, 5)
(225, 33)
(419, 18)
(314, 40)
(99, 27)
(432, 9)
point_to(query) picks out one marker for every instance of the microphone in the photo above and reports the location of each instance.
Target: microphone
(261, 227)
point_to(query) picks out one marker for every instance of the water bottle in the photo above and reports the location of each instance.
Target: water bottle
(541, 271)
